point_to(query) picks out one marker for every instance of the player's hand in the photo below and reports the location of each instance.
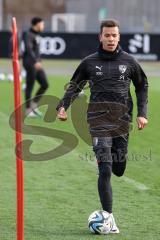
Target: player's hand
(38, 65)
(62, 115)
(141, 122)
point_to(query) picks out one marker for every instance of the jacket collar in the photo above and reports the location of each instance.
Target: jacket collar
(109, 55)
(33, 31)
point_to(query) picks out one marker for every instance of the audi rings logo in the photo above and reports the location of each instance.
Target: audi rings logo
(52, 45)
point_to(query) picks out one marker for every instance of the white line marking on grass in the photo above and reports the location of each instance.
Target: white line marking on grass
(138, 185)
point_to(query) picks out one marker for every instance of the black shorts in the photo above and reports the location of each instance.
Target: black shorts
(112, 151)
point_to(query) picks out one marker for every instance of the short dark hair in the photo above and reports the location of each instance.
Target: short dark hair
(109, 23)
(36, 20)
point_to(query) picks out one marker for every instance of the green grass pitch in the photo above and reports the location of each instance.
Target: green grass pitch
(61, 193)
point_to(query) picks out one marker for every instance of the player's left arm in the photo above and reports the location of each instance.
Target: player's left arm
(140, 82)
(141, 122)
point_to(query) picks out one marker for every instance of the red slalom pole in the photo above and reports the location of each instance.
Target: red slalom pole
(18, 127)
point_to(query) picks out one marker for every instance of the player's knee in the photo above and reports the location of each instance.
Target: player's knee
(103, 154)
(118, 168)
(45, 86)
(119, 162)
(118, 172)
(104, 170)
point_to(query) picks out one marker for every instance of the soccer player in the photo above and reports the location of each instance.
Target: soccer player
(33, 66)
(109, 72)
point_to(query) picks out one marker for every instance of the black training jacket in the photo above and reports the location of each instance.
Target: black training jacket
(31, 53)
(109, 76)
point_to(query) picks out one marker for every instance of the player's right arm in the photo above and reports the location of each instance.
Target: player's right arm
(76, 85)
